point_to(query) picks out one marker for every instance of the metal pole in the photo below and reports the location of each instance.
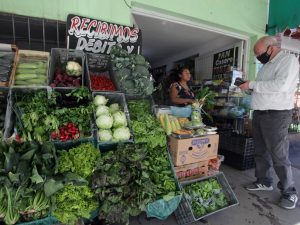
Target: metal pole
(44, 38)
(28, 27)
(57, 33)
(13, 27)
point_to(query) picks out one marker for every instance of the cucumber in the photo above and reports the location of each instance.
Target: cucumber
(30, 76)
(36, 81)
(26, 76)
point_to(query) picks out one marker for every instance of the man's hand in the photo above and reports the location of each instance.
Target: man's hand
(245, 86)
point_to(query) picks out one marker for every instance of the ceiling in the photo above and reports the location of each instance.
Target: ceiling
(162, 39)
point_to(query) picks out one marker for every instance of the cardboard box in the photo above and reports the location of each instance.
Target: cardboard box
(192, 150)
(192, 171)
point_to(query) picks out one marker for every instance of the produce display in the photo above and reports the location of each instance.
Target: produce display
(169, 123)
(76, 199)
(65, 116)
(80, 160)
(69, 76)
(131, 72)
(111, 121)
(126, 180)
(205, 197)
(24, 169)
(6, 59)
(145, 127)
(31, 71)
(38, 180)
(30, 109)
(74, 202)
(101, 82)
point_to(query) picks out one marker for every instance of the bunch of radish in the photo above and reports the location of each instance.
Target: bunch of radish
(66, 132)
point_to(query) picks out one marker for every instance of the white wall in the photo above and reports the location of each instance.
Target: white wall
(204, 51)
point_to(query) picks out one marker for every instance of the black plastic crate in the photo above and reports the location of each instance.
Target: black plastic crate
(235, 143)
(240, 162)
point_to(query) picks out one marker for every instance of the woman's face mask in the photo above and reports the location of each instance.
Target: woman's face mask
(264, 57)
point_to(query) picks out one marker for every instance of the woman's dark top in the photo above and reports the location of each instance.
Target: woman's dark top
(183, 93)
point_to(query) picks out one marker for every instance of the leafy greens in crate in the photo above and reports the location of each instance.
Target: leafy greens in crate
(131, 72)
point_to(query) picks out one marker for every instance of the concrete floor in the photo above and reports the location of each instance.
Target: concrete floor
(258, 208)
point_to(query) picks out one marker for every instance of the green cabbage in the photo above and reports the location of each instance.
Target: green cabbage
(102, 109)
(100, 100)
(121, 134)
(104, 122)
(114, 108)
(105, 135)
(119, 119)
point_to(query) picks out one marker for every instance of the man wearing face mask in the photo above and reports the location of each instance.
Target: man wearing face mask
(272, 101)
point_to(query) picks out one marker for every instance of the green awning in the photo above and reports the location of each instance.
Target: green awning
(282, 14)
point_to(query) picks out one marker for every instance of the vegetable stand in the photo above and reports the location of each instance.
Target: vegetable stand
(106, 151)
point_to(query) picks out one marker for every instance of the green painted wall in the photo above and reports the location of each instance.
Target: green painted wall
(243, 16)
(110, 10)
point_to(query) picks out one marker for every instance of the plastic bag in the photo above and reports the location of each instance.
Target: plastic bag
(181, 111)
(161, 209)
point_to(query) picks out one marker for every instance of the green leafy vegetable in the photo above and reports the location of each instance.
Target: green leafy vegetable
(146, 129)
(79, 160)
(132, 72)
(205, 196)
(74, 202)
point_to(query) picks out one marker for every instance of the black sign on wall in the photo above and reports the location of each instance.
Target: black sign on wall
(97, 36)
(223, 61)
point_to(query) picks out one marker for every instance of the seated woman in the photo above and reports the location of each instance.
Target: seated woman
(181, 96)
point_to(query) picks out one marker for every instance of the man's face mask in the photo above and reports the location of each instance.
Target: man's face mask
(264, 57)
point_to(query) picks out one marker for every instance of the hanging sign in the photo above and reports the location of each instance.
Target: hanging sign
(97, 36)
(223, 61)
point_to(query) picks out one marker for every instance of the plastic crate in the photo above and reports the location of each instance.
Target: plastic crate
(98, 64)
(73, 143)
(237, 161)
(31, 56)
(59, 57)
(148, 98)
(184, 213)
(11, 50)
(11, 117)
(238, 144)
(113, 97)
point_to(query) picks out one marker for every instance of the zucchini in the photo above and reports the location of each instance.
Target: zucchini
(26, 76)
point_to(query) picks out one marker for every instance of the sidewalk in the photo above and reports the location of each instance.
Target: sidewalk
(256, 208)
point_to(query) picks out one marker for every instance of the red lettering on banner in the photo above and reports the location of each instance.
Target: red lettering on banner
(116, 31)
(128, 31)
(83, 23)
(92, 24)
(104, 28)
(98, 26)
(75, 22)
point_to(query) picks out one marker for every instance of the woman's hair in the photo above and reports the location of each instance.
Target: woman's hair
(175, 73)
